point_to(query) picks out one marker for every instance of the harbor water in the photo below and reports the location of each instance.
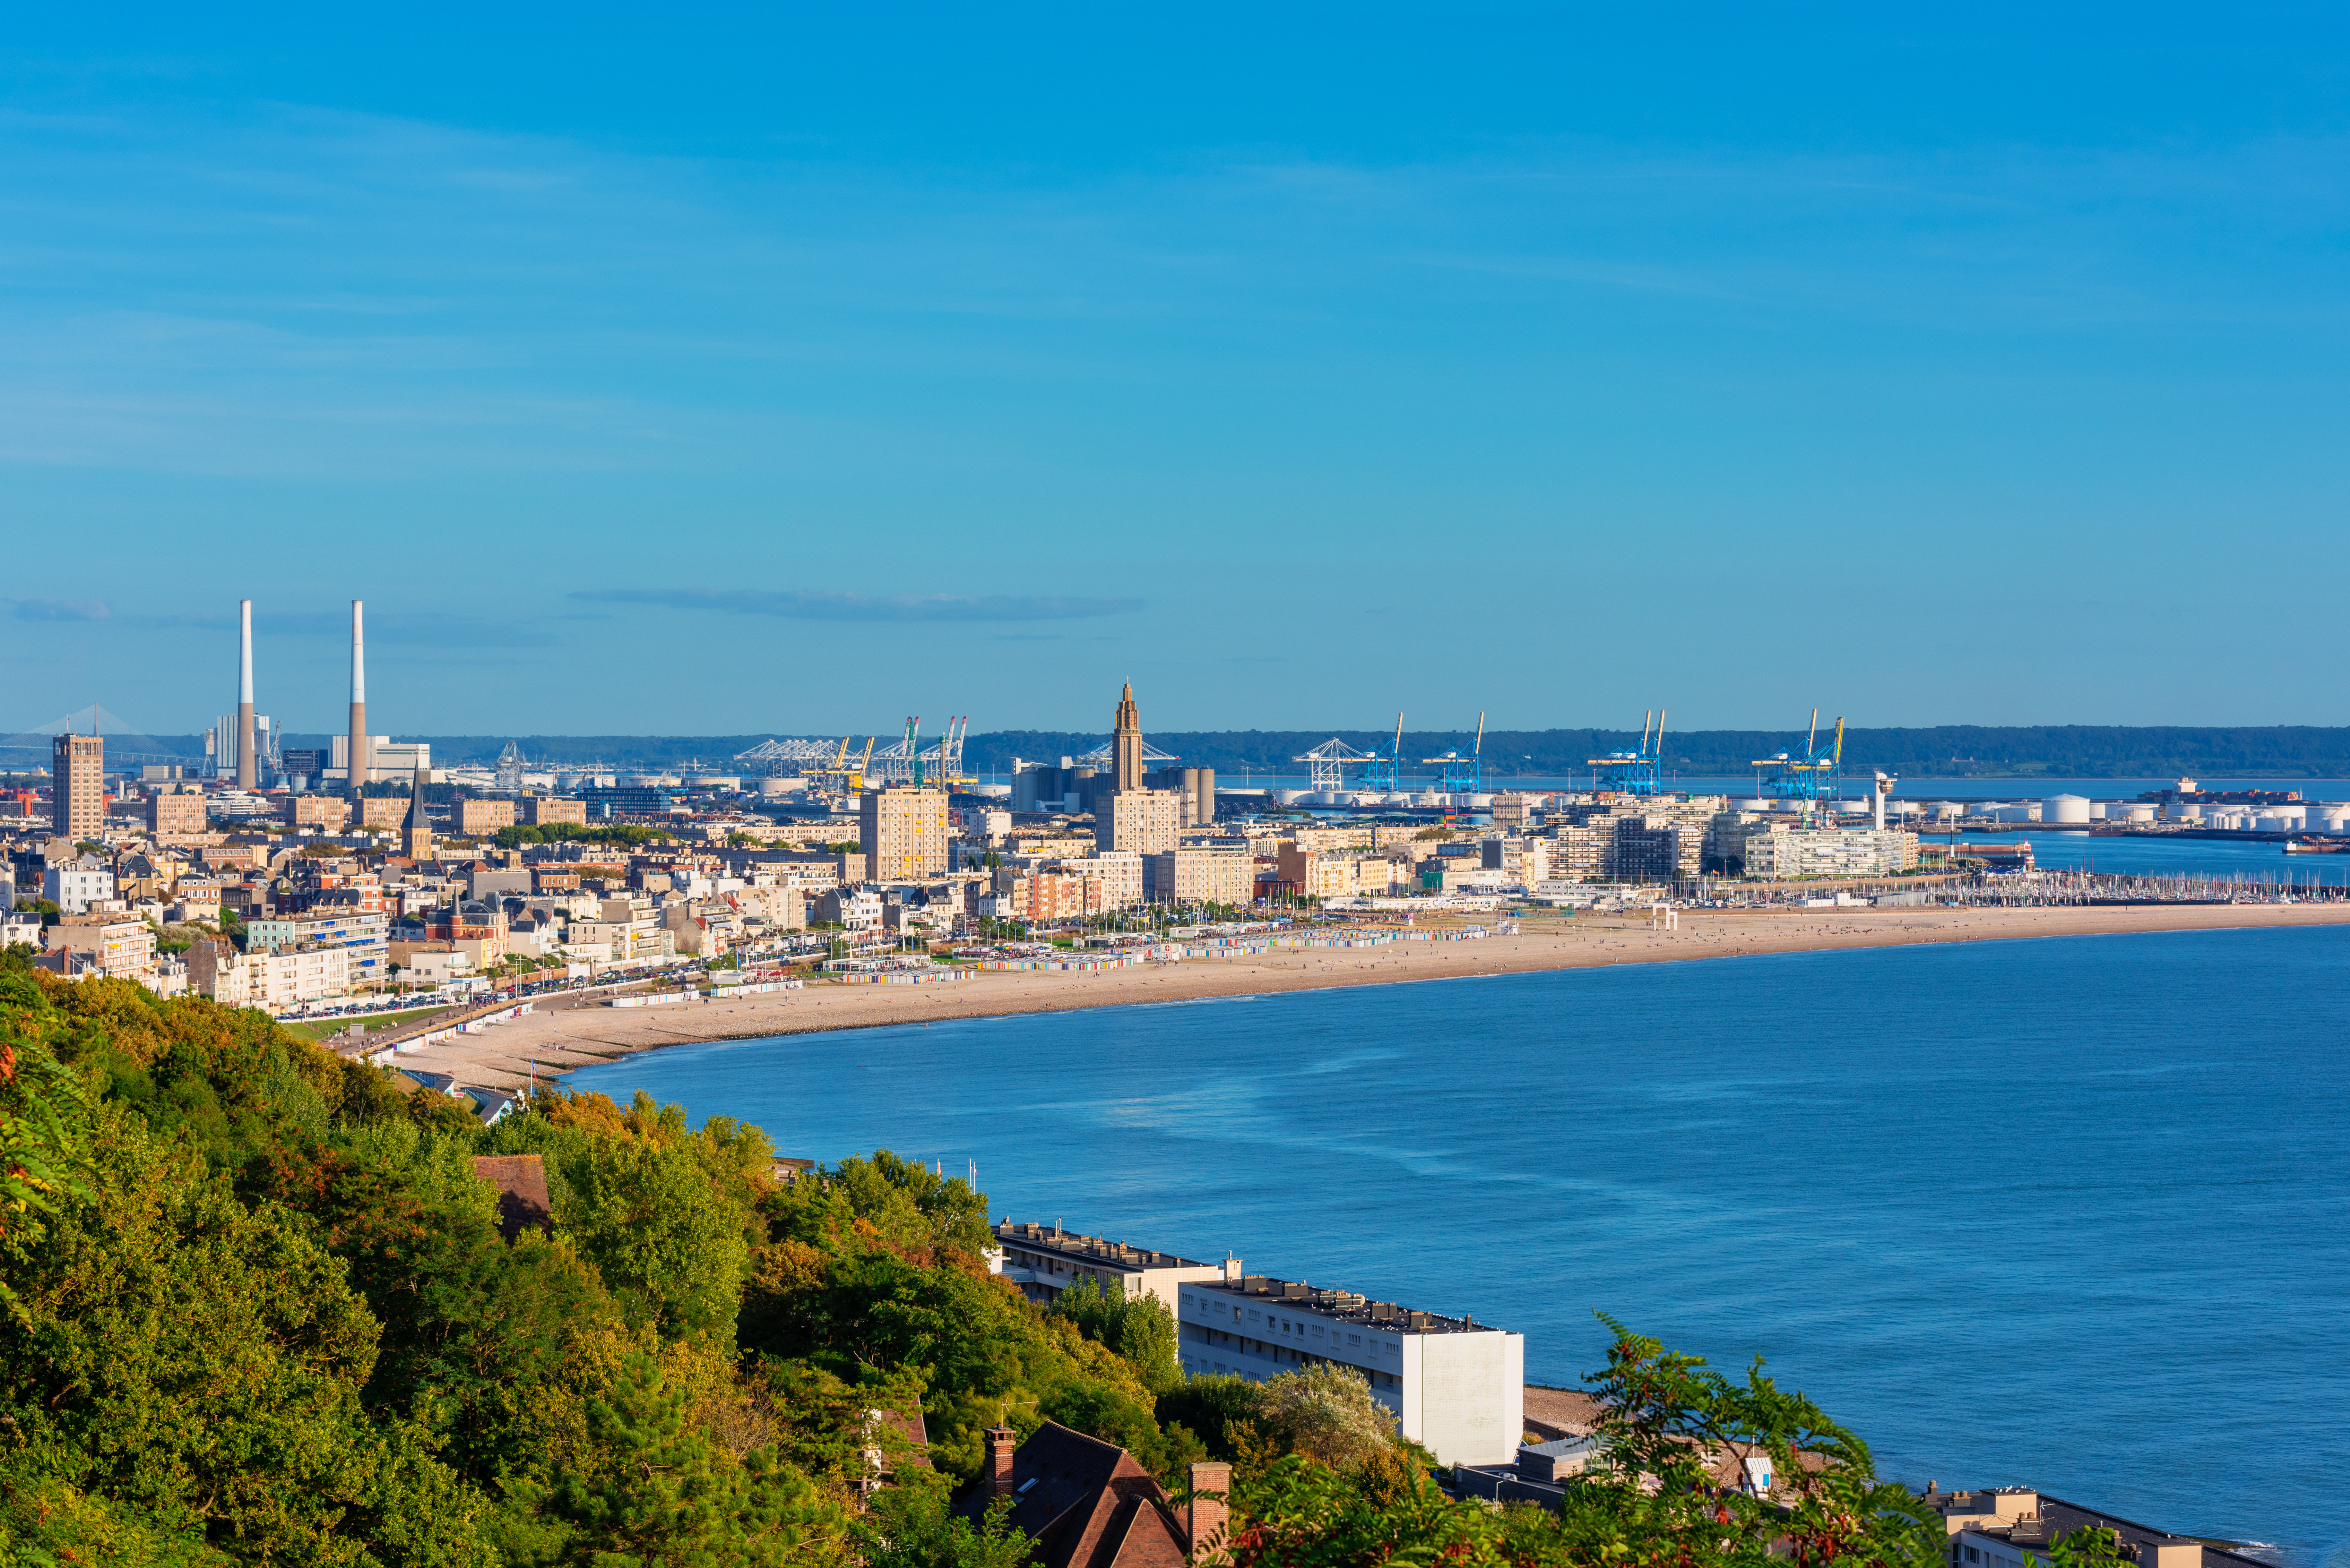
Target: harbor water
(2071, 1213)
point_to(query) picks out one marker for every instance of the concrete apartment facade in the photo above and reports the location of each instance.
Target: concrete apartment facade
(1198, 877)
(73, 886)
(77, 786)
(176, 810)
(1455, 1384)
(541, 811)
(121, 947)
(1119, 872)
(276, 981)
(364, 934)
(1783, 853)
(904, 831)
(1139, 822)
(1043, 1260)
(479, 818)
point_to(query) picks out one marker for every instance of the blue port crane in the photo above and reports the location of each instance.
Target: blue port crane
(1635, 772)
(1459, 774)
(1385, 773)
(1814, 776)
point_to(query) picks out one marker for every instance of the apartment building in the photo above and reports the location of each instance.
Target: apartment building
(480, 819)
(364, 933)
(1780, 853)
(120, 948)
(73, 886)
(1043, 1260)
(903, 829)
(1137, 821)
(543, 811)
(275, 982)
(1455, 1384)
(77, 786)
(2014, 1527)
(328, 813)
(1042, 898)
(176, 809)
(1198, 877)
(1119, 872)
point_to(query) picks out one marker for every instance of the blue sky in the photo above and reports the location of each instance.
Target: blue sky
(718, 372)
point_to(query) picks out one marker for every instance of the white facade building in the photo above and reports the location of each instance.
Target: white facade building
(1455, 1384)
(1044, 1259)
(73, 886)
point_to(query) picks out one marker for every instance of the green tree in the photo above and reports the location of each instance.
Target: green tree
(660, 1492)
(667, 1243)
(913, 1527)
(1325, 1412)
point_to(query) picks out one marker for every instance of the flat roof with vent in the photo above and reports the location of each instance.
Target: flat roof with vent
(1091, 1249)
(1344, 1304)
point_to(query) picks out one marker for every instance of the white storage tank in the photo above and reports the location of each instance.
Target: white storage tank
(1291, 796)
(2140, 811)
(1948, 809)
(1477, 802)
(2065, 808)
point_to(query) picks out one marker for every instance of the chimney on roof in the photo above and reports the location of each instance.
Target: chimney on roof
(999, 1461)
(1205, 1518)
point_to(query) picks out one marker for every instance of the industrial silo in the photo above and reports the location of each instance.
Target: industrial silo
(2065, 808)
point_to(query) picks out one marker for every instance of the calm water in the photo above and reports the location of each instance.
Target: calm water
(2069, 1213)
(2150, 856)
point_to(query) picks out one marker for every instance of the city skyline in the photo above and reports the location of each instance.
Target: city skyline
(1532, 364)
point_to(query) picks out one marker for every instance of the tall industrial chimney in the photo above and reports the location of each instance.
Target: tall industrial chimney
(362, 754)
(248, 767)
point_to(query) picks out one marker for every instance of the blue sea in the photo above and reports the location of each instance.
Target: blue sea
(2069, 1213)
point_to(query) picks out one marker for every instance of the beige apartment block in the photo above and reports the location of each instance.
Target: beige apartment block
(1319, 875)
(177, 810)
(291, 976)
(1198, 877)
(123, 948)
(383, 811)
(1048, 898)
(1118, 871)
(326, 812)
(903, 828)
(1138, 821)
(216, 970)
(479, 818)
(77, 786)
(542, 810)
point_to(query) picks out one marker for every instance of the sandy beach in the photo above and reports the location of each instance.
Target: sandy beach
(561, 1036)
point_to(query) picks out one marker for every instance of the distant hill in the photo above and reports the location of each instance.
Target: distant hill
(1950, 751)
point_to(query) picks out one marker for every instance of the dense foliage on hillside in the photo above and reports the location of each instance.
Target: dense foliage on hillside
(256, 1308)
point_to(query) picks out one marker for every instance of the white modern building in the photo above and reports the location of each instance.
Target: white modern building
(1456, 1384)
(1044, 1259)
(73, 886)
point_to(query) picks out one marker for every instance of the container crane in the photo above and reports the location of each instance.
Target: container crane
(1385, 773)
(1635, 772)
(1460, 774)
(1812, 777)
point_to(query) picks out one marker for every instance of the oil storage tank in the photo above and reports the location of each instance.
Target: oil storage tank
(2065, 808)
